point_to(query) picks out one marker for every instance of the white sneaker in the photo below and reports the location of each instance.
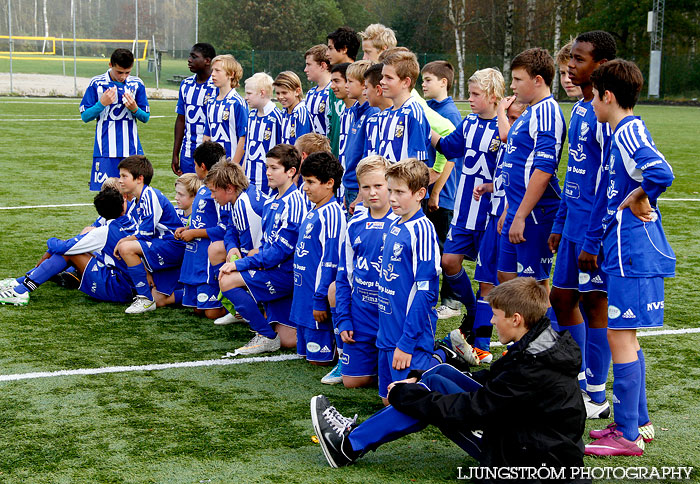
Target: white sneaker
(595, 410)
(334, 376)
(464, 349)
(446, 312)
(230, 319)
(140, 305)
(10, 296)
(260, 344)
(8, 283)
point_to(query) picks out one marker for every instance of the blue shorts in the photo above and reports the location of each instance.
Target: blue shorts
(167, 280)
(487, 261)
(105, 283)
(531, 258)
(269, 285)
(103, 168)
(201, 296)
(635, 302)
(162, 254)
(315, 344)
(278, 311)
(186, 164)
(359, 358)
(567, 274)
(463, 242)
(421, 360)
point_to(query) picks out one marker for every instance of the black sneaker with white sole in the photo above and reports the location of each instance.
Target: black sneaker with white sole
(332, 430)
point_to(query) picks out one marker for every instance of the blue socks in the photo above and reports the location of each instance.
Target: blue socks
(462, 287)
(553, 319)
(626, 390)
(578, 332)
(336, 333)
(140, 280)
(643, 410)
(248, 308)
(597, 363)
(177, 294)
(213, 273)
(482, 325)
(39, 275)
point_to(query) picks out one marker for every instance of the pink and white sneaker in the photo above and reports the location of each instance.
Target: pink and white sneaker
(646, 431)
(615, 444)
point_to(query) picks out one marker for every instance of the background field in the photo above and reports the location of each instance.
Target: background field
(247, 422)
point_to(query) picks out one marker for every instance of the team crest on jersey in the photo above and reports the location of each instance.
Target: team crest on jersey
(268, 134)
(399, 131)
(202, 204)
(307, 232)
(396, 250)
(322, 107)
(292, 131)
(584, 128)
(225, 115)
(495, 144)
(206, 98)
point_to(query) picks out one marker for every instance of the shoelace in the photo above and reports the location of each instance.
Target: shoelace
(337, 421)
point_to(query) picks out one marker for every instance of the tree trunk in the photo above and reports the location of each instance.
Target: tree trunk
(557, 45)
(530, 33)
(456, 16)
(508, 42)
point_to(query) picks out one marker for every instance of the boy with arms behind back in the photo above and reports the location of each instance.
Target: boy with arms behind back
(318, 71)
(576, 231)
(117, 101)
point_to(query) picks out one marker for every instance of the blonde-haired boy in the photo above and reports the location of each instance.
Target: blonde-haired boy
(264, 128)
(563, 58)
(376, 38)
(295, 120)
(356, 291)
(227, 114)
(476, 140)
(318, 71)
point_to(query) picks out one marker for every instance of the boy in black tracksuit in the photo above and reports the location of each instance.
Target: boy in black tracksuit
(528, 404)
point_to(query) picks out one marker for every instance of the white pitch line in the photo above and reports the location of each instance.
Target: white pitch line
(153, 367)
(660, 332)
(56, 119)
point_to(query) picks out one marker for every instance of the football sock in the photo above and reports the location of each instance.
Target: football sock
(336, 333)
(597, 363)
(140, 280)
(578, 332)
(213, 273)
(45, 271)
(177, 294)
(482, 325)
(553, 319)
(248, 308)
(462, 287)
(626, 383)
(643, 409)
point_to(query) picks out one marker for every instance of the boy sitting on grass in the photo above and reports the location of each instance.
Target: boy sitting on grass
(103, 277)
(528, 404)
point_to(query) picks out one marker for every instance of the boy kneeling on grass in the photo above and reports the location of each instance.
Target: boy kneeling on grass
(528, 404)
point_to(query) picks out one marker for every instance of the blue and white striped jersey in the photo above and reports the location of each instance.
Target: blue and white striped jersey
(634, 248)
(116, 133)
(244, 227)
(404, 133)
(191, 102)
(295, 124)
(409, 285)
(475, 142)
(359, 271)
(316, 101)
(154, 215)
(355, 142)
(589, 145)
(534, 142)
(498, 197)
(344, 130)
(227, 120)
(280, 222)
(316, 262)
(372, 127)
(264, 133)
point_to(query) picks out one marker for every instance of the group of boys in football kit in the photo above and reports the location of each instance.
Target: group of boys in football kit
(325, 226)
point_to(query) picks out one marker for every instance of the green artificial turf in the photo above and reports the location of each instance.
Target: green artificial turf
(248, 422)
